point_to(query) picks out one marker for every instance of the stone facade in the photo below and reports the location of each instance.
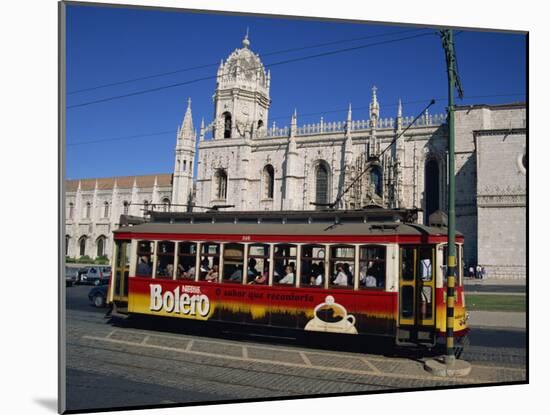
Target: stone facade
(93, 209)
(246, 163)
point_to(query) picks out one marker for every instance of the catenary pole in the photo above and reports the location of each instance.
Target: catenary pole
(451, 247)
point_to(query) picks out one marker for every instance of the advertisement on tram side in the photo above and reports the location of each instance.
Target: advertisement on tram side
(336, 311)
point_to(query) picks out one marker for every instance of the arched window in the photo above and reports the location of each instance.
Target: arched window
(227, 125)
(67, 241)
(269, 181)
(431, 187)
(221, 184)
(184, 165)
(375, 174)
(191, 166)
(145, 207)
(82, 245)
(125, 207)
(87, 210)
(166, 204)
(71, 210)
(260, 124)
(100, 243)
(321, 184)
(106, 209)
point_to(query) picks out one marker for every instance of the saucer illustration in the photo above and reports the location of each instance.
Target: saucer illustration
(331, 317)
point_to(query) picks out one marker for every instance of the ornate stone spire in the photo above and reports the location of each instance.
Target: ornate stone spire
(293, 124)
(201, 138)
(374, 107)
(187, 130)
(348, 144)
(246, 42)
(399, 121)
(348, 121)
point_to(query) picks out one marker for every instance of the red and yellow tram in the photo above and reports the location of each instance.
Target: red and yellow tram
(370, 272)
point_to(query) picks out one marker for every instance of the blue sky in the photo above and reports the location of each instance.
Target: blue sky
(107, 45)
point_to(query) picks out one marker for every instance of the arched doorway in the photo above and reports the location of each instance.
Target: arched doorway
(431, 187)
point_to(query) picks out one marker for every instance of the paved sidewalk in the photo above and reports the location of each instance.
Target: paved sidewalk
(494, 281)
(497, 319)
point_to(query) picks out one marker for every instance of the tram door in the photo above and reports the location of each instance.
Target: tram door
(416, 293)
(121, 271)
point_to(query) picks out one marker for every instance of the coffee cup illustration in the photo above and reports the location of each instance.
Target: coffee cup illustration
(331, 317)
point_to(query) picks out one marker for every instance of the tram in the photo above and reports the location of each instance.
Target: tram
(371, 272)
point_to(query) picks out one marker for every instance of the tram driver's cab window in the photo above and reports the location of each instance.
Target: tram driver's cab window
(258, 264)
(342, 262)
(233, 263)
(165, 259)
(372, 267)
(187, 258)
(144, 267)
(284, 259)
(312, 268)
(210, 262)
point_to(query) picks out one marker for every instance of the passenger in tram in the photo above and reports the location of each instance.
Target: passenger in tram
(347, 271)
(341, 279)
(212, 275)
(169, 271)
(289, 275)
(252, 271)
(143, 267)
(263, 277)
(205, 268)
(318, 269)
(186, 275)
(237, 275)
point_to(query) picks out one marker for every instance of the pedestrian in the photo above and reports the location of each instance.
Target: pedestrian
(478, 271)
(483, 273)
(471, 271)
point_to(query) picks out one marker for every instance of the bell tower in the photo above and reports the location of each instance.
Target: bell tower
(241, 100)
(182, 186)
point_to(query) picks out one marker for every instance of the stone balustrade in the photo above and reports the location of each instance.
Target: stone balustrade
(321, 127)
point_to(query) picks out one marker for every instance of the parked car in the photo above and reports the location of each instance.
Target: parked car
(96, 275)
(98, 295)
(71, 276)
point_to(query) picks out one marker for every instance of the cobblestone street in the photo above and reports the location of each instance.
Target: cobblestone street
(110, 366)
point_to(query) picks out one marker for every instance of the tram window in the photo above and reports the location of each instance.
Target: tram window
(165, 259)
(122, 265)
(444, 264)
(312, 265)
(258, 264)
(425, 259)
(342, 261)
(233, 262)
(144, 259)
(187, 256)
(407, 263)
(372, 267)
(210, 261)
(407, 301)
(284, 259)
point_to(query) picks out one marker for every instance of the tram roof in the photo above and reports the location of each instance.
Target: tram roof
(326, 223)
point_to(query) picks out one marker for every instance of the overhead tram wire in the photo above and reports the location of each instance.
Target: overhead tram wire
(78, 143)
(209, 65)
(283, 62)
(310, 114)
(302, 115)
